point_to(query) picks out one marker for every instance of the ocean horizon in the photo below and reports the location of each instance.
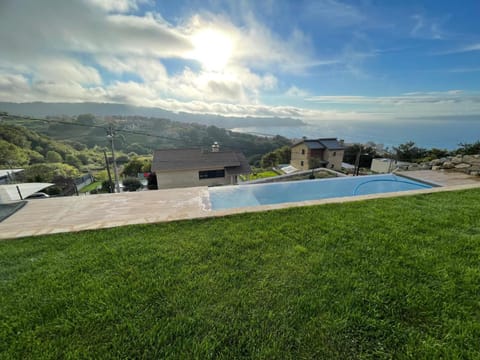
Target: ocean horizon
(425, 133)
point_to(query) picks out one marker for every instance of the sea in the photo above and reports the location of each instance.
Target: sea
(440, 134)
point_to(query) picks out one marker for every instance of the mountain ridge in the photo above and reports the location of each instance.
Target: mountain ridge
(40, 108)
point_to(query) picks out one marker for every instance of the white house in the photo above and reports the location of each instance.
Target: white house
(198, 167)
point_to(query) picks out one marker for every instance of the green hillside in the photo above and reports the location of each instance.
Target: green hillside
(22, 147)
(141, 135)
(393, 278)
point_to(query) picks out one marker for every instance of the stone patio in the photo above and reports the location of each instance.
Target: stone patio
(69, 214)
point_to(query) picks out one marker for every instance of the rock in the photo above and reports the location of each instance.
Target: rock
(475, 173)
(457, 159)
(462, 166)
(436, 167)
(475, 168)
(436, 162)
(448, 165)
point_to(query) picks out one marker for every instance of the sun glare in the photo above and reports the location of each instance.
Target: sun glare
(213, 49)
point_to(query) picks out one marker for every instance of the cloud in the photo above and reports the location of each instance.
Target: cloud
(255, 46)
(95, 43)
(452, 96)
(116, 5)
(296, 92)
(463, 49)
(64, 69)
(147, 68)
(79, 28)
(409, 105)
(426, 28)
(333, 13)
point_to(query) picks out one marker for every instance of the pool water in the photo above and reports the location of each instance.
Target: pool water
(227, 197)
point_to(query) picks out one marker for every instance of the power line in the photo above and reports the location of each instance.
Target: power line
(106, 127)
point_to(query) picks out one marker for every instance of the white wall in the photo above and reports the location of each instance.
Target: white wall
(188, 178)
(383, 166)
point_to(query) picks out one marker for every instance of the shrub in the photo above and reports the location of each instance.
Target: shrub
(131, 184)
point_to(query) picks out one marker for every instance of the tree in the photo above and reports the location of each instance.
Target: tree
(367, 153)
(107, 186)
(73, 160)
(409, 152)
(284, 154)
(131, 184)
(53, 157)
(86, 119)
(137, 165)
(35, 157)
(12, 155)
(435, 153)
(46, 172)
(269, 160)
(469, 149)
(63, 186)
(278, 156)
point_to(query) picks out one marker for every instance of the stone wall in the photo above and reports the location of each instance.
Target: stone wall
(469, 164)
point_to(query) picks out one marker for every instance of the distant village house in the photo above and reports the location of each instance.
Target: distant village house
(315, 153)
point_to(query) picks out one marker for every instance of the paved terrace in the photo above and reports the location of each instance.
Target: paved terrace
(69, 214)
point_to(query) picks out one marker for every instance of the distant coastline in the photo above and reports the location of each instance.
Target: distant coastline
(425, 133)
(445, 132)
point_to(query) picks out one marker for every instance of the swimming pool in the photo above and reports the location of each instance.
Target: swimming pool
(227, 197)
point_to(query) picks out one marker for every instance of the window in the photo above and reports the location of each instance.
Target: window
(331, 166)
(301, 163)
(211, 174)
(303, 151)
(334, 153)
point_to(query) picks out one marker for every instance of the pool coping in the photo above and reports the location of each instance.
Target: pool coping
(344, 199)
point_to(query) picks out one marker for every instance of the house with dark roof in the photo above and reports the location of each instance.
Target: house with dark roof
(315, 153)
(198, 167)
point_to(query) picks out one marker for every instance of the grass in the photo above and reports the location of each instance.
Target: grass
(317, 175)
(259, 175)
(386, 278)
(93, 186)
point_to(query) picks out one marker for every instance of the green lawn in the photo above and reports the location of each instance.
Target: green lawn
(93, 186)
(381, 279)
(259, 175)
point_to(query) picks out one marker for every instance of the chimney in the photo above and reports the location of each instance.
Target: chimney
(215, 147)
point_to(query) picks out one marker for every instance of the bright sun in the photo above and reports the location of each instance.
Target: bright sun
(213, 49)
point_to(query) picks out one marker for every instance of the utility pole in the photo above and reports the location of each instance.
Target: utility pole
(110, 182)
(111, 136)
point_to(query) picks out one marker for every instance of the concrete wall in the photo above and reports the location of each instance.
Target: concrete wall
(383, 166)
(189, 178)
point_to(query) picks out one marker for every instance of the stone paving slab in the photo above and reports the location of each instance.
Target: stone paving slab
(77, 213)
(441, 177)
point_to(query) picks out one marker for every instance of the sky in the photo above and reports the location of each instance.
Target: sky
(311, 60)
